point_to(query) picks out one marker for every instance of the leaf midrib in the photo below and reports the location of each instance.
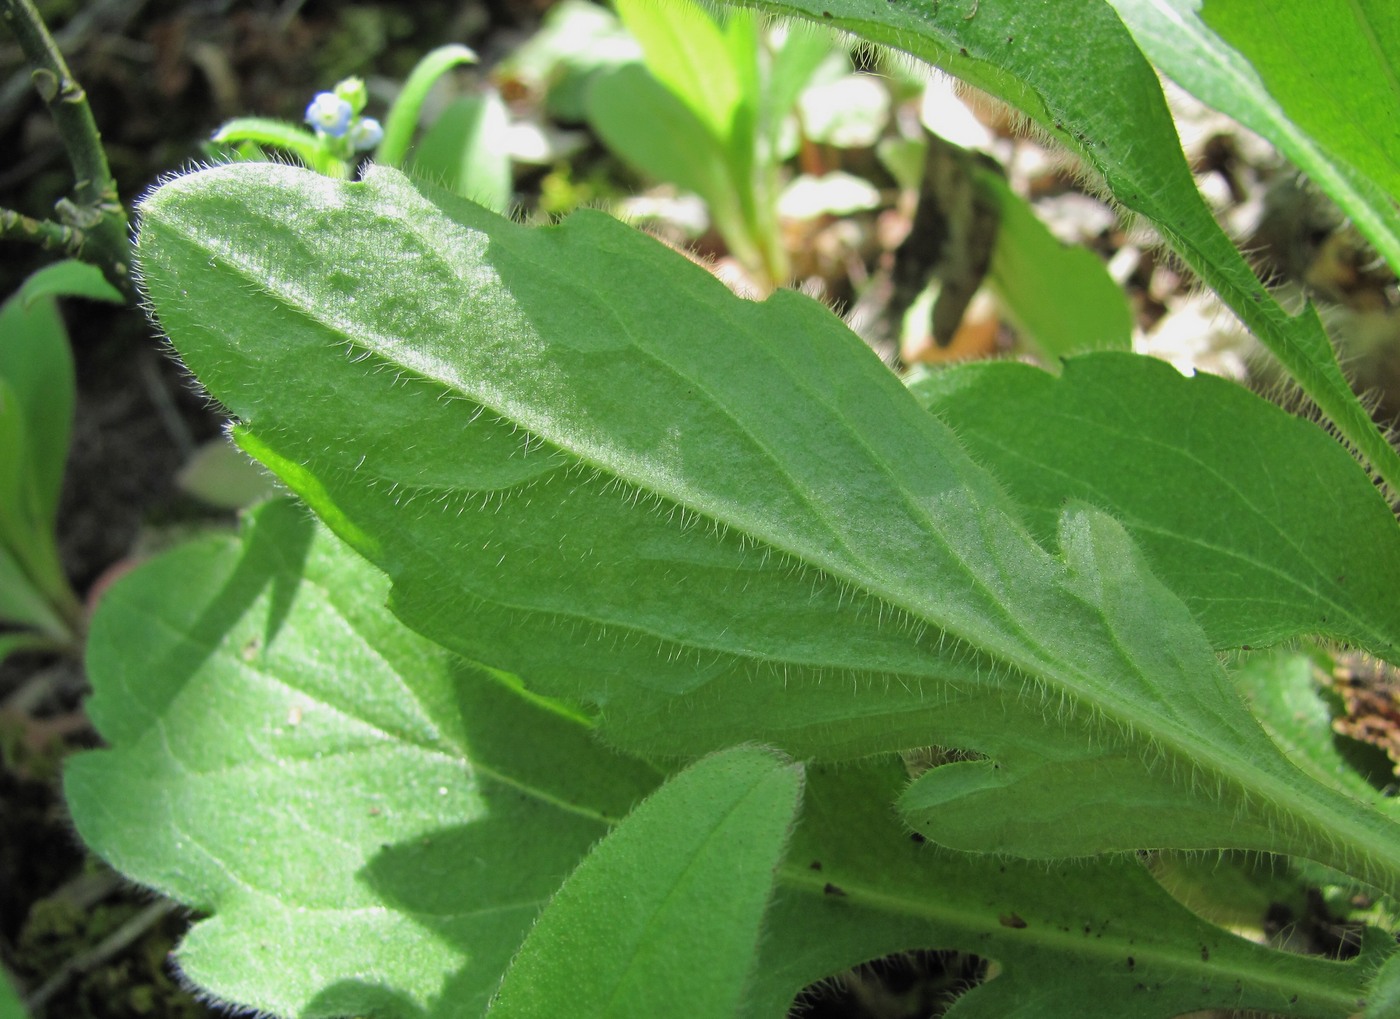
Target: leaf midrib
(1106, 952)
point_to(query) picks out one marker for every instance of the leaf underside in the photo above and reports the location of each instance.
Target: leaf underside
(583, 461)
(373, 825)
(1256, 519)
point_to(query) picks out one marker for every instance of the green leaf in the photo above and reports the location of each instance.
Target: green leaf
(651, 129)
(33, 590)
(1173, 36)
(1060, 296)
(10, 1007)
(1255, 518)
(69, 278)
(279, 754)
(795, 62)
(36, 419)
(465, 151)
(600, 470)
(22, 603)
(1383, 996)
(278, 134)
(663, 917)
(16, 643)
(1334, 67)
(1096, 940)
(1073, 68)
(1282, 689)
(402, 119)
(219, 474)
(372, 824)
(36, 363)
(686, 50)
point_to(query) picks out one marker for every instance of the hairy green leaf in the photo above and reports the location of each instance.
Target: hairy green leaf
(1256, 519)
(1074, 69)
(630, 481)
(1283, 690)
(1098, 940)
(663, 916)
(269, 133)
(372, 824)
(1383, 996)
(1173, 36)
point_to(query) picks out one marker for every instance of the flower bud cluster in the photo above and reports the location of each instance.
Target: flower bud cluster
(336, 114)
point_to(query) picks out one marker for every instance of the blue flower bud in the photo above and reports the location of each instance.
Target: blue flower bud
(365, 134)
(329, 114)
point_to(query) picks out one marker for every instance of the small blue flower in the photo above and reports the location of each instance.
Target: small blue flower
(329, 114)
(365, 134)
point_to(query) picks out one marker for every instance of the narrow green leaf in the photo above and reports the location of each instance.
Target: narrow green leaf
(37, 365)
(278, 134)
(685, 49)
(592, 434)
(1060, 296)
(1074, 69)
(402, 120)
(12, 643)
(37, 592)
(1173, 36)
(16, 505)
(372, 824)
(1097, 940)
(1255, 518)
(21, 601)
(1334, 67)
(794, 63)
(663, 917)
(652, 130)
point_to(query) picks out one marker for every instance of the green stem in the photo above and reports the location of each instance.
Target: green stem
(95, 214)
(46, 233)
